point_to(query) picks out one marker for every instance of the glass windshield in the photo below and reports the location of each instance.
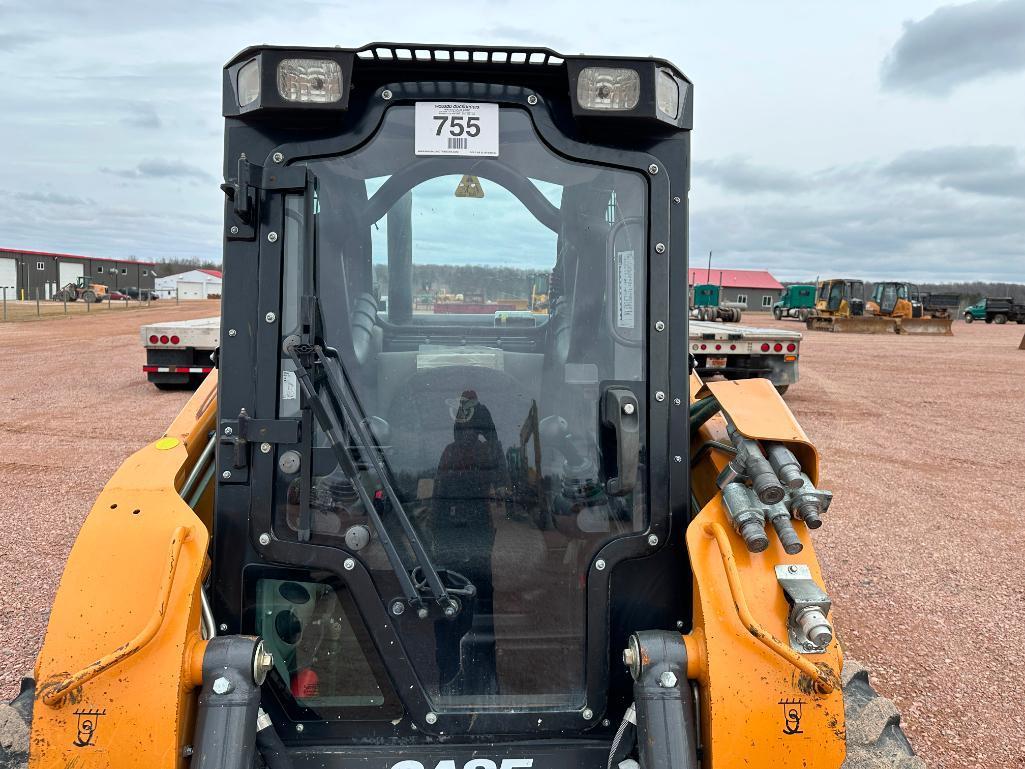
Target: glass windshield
(480, 308)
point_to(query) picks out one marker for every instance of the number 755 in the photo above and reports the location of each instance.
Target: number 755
(458, 125)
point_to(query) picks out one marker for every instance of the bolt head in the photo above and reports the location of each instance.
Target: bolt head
(629, 408)
(223, 627)
(397, 608)
(653, 540)
(676, 199)
(277, 157)
(222, 685)
(386, 94)
(600, 564)
(653, 169)
(272, 237)
(532, 100)
(588, 714)
(660, 396)
(348, 564)
(629, 658)
(270, 317)
(234, 229)
(265, 539)
(431, 718)
(265, 448)
(677, 401)
(792, 568)
(226, 474)
(227, 431)
(677, 458)
(667, 680)
(299, 728)
(660, 326)
(232, 332)
(660, 248)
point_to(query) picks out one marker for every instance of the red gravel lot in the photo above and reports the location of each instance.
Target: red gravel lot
(921, 439)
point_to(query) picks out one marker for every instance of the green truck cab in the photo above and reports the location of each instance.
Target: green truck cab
(797, 302)
(705, 305)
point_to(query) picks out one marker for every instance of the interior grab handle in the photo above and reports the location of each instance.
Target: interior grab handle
(621, 412)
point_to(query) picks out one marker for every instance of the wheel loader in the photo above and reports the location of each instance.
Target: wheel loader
(82, 289)
(912, 312)
(404, 539)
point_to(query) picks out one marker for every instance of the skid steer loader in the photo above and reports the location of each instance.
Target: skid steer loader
(407, 539)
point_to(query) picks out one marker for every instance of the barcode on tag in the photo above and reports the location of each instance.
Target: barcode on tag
(625, 284)
(457, 144)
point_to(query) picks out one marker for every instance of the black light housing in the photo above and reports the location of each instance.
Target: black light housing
(269, 98)
(648, 72)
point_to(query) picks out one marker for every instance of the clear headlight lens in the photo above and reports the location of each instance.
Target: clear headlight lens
(667, 94)
(606, 88)
(312, 81)
(249, 83)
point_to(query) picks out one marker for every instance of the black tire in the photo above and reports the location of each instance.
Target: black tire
(88, 296)
(1000, 319)
(179, 386)
(782, 389)
(874, 737)
(777, 313)
(969, 318)
(15, 722)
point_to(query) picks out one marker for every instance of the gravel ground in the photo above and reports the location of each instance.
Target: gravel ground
(921, 440)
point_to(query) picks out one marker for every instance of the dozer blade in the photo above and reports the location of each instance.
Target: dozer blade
(861, 324)
(935, 326)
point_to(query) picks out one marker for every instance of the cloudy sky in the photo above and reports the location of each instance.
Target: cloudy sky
(876, 138)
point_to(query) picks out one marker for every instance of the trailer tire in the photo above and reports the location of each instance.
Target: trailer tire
(1000, 319)
(15, 725)
(777, 313)
(969, 318)
(875, 739)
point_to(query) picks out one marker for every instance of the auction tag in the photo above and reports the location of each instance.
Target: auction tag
(289, 389)
(456, 128)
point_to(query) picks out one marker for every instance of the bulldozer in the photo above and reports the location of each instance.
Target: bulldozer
(82, 289)
(912, 311)
(380, 538)
(840, 306)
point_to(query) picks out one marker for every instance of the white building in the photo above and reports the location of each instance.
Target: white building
(194, 284)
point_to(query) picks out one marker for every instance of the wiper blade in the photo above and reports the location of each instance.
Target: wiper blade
(360, 435)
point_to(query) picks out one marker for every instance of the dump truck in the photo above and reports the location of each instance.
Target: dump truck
(427, 541)
(706, 305)
(997, 310)
(911, 311)
(179, 353)
(743, 352)
(798, 302)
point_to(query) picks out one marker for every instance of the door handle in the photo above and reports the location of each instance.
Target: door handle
(621, 413)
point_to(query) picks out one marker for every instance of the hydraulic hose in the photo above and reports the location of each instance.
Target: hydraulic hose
(273, 750)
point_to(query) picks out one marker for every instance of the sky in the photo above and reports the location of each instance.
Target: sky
(874, 139)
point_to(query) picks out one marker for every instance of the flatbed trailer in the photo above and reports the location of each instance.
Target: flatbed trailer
(744, 352)
(178, 353)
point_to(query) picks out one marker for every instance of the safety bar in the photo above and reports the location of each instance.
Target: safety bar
(822, 682)
(54, 697)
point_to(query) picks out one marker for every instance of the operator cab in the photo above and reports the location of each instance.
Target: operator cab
(445, 394)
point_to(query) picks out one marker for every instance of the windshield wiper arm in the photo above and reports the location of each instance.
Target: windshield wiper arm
(360, 435)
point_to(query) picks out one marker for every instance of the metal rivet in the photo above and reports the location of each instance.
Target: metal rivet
(227, 431)
(397, 608)
(265, 539)
(221, 685)
(223, 627)
(653, 540)
(348, 564)
(660, 326)
(588, 714)
(605, 722)
(232, 332)
(677, 458)
(600, 564)
(676, 199)
(532, 99)
(660, 396)
(660, 248)
(653, 169)
(431, 718)
(233, 229)
(677, 401)
(628, 409)
(226, 474)
(386, 94)
(265, 448)
(298, 727)
(270, 317)
(277, 157)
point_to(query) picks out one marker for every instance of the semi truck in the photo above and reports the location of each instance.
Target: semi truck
(797, 302)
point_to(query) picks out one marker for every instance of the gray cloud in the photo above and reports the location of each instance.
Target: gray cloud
(156, 168)
(54, 198)
(957, 44)
(142, 115)
(738, 174)
(989, 170)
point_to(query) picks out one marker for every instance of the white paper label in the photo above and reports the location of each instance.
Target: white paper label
(625, 283)
(456, 128)
(288, 386)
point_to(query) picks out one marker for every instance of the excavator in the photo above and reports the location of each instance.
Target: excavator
(397, 540)
(912, 311)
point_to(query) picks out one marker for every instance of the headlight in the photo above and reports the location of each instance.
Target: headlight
(249, 83)
(606, 88)
(667, 94)
(316, 81)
